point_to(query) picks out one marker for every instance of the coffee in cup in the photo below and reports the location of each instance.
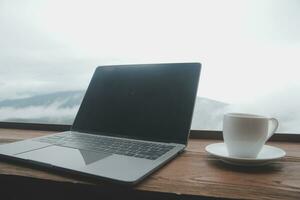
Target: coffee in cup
(245, 134)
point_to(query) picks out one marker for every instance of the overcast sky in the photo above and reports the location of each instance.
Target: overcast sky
(249, 49)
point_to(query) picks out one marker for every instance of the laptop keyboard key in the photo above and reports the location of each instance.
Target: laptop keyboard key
(137, 149)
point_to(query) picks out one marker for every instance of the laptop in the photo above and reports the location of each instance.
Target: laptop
(132, 120)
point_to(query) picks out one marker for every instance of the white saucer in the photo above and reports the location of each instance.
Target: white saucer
(265, 156)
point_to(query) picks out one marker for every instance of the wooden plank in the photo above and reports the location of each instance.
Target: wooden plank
(196, 173)
(192, 173)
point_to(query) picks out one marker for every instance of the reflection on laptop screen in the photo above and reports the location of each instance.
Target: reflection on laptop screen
(153, 101)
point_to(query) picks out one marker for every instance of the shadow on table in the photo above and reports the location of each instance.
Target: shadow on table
(263, 169)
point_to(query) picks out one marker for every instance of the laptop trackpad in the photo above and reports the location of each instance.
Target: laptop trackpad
(64, 157)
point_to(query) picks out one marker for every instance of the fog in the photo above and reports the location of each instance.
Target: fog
(39, 114)
(58, 107)
(62, 107)
(282, 105)
(249, 50)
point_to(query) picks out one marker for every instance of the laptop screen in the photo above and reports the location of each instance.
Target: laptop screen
(152, 102)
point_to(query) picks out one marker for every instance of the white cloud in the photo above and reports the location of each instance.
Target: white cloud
(49, 114)
(283, 105)
(249, 49)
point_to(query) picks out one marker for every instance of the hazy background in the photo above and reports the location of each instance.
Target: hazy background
(249, 51)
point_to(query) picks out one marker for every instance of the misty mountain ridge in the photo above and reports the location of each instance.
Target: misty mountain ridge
(67, 99)
(61, 108)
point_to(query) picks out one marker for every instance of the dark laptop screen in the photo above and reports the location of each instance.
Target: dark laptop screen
(153, 101)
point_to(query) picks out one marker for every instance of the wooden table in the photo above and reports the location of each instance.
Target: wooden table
(194, 174)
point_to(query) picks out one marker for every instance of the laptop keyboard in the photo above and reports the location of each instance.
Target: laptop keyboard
(97, 143)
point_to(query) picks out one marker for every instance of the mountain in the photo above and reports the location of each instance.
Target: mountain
(56, 108)
(61, 108)
(208, 114)
(66, 99)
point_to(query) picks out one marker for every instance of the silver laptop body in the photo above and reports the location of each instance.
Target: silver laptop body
(132, 120)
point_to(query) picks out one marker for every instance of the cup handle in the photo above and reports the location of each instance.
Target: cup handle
(272, 128)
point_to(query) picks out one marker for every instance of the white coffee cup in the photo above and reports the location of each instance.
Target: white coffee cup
(245, 134)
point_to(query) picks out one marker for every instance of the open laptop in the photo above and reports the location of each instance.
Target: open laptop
(132, 120)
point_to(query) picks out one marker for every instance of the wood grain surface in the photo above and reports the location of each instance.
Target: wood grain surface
(193, 173)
